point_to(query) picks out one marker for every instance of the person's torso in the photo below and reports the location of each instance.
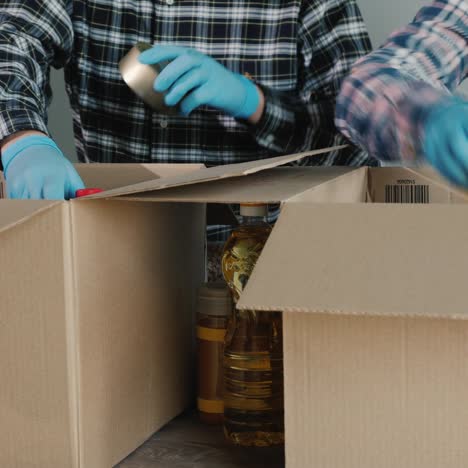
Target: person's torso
(113, 125)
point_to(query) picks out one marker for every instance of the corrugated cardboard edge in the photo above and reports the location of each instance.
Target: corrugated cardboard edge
(72, 329)
(355, 313)
(212, 173)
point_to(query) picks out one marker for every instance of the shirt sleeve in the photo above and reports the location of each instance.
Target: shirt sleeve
(384, 103)
(34, 35)
(331, 37)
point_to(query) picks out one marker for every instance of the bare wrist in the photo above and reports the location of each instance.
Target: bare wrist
(255, 117)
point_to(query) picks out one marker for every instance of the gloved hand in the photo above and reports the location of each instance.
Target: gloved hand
(445, 141)
(194, 79)
(34, 167)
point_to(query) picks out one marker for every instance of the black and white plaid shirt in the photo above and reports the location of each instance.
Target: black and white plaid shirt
(298, 51)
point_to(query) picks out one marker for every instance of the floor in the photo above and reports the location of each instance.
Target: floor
(186, 443)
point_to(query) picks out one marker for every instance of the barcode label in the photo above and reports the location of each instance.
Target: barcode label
(407, 194)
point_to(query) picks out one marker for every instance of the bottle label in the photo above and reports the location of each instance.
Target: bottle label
(240, 265)
(210, 406)
(211, 334)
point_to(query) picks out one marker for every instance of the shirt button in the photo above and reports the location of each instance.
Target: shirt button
(163, 123)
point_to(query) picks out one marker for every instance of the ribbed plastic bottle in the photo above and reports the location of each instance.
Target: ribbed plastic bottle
(253, 351)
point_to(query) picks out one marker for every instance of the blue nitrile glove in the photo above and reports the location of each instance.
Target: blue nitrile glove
(446, 140)
(194, 79)
(34, 167)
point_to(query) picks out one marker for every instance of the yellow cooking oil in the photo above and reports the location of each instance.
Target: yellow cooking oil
(253, 351)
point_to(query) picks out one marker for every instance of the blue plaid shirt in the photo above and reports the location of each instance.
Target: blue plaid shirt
(297, 51)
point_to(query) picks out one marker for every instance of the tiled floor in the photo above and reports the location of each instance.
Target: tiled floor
(186, 443)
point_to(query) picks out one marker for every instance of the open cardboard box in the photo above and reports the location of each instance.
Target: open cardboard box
(97, 301)
(96, 316)
(375, 323)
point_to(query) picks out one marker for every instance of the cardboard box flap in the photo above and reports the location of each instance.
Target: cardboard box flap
(268, 186)
(14, 212)
(429, 173)
(383, 260)
(456, 194)
(350, 187)
(411, 185)
(212, 173)
(113, 176)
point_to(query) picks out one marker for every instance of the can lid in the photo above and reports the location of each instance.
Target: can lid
(254, 209)
(87, 191)
(214, 299)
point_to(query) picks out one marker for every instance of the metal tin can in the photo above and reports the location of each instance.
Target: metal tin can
(140, 78)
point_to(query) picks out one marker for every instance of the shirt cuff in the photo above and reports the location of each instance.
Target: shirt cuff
(274, 129)
(17, 119)
(411, 116)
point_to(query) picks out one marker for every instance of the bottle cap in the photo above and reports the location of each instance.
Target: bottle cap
(214, 299)
(87, 191)
(254, 209)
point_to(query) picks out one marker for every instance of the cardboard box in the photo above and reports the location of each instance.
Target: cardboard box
(368, 267)
(97, 352)
(96, 315)
(96, 303)
(375, 323)
(369, 275)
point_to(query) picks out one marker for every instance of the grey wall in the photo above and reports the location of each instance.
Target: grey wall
(60, 120)
(382, 17)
